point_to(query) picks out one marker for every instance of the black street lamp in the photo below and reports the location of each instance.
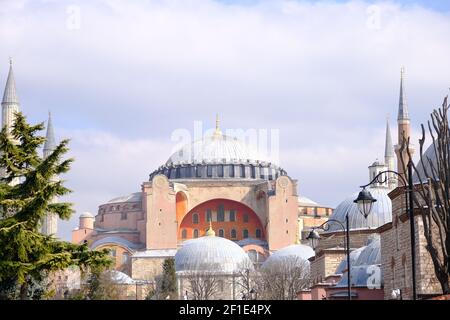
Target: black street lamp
(314, 236)
(365, 202)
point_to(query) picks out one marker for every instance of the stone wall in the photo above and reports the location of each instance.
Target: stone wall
(325, 264)
(146, 268)
(396, 254)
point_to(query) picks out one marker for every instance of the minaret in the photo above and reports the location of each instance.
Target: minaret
(49, 224)
(389, 157)
(10, 106)
(10, 102)
(404, 127)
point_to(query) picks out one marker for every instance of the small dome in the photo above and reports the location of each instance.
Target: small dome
(133, 197)
(381, 212)
(86, 215)
(120, 277)
(428, 156)
(215, 148)
(354, 255)
(295, 251)
(211, 253)
(365, 266)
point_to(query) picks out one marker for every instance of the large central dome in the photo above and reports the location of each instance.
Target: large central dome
(218, 156)
(217, 148)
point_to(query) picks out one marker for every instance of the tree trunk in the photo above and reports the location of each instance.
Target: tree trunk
(24, 291)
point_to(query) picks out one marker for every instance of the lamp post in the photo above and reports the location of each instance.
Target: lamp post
(365, 201)
(314, 236)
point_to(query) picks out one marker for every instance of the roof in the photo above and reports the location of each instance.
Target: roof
(86, 215)
(218, 148)
(132, 197)
(304, 201)
(366, 269)
(381, 212)
(211, 254)
(10, 94)
(120, 277)
(155, 253)
(424, 170)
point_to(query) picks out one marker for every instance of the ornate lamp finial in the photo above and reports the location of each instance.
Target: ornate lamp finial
(218, 132)
(210, 232)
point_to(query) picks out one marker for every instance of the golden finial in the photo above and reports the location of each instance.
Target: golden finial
(218, 132)
(210, 232)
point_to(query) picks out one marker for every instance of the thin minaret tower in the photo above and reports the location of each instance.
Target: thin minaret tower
(49, 225)
(389, 156)
(10, 102)
(10, 106)
(404, 125)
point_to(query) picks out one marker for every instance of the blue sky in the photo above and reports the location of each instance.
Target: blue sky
(123, 78)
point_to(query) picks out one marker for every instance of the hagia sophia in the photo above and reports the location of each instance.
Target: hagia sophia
(216, 205)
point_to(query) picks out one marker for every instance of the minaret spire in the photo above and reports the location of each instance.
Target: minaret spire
(404, 126)
(49, 223)
(388, 149)
(403, 113)
(389, 158)
(218, 132)
(50, 142)
(10, 101)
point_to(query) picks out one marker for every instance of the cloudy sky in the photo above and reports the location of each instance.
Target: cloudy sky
(121, 76)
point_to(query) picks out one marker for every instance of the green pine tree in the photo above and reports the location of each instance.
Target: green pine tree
(169, 280)
(26, 255)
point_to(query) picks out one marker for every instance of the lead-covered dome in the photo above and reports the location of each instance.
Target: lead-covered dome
(380, 214)
(211, 254)
(295, 251)
(366, 269)
(219, 157)
(215, 148)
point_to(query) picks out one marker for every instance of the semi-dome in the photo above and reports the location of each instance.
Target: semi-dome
(300, 251)
(380, 214)
(211, 254)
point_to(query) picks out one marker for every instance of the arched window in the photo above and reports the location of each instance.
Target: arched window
(233, 233)
(208, 215)
(245, 233)
(232, 215)
(221, 233)
(125, 257)
(258, 233)
(184, 234)
(195, 218)
(220, 213)
(195, 233)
